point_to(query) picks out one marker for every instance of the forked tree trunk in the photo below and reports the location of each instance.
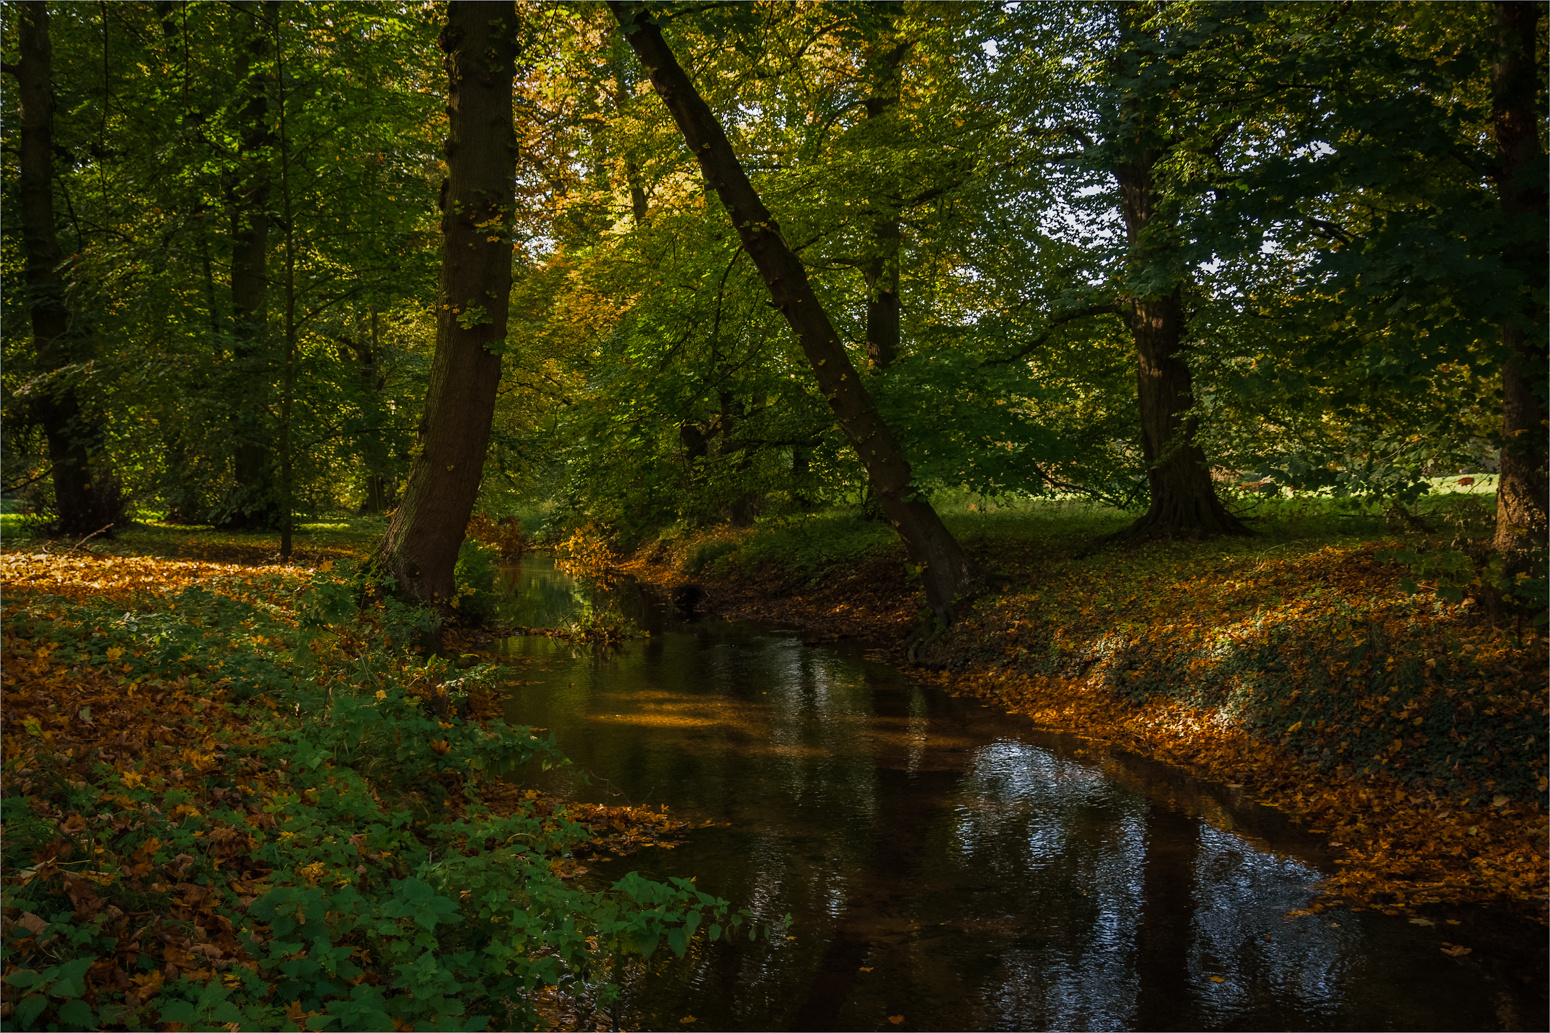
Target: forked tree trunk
(1523, 487)
(86, 495)
(422, 541)
(949, 575)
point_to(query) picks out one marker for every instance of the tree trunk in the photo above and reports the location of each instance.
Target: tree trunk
(86, 495)
(373, 449)
(948, 572)
(1183, 499)
(881, 271)
(422, 541)
(253, 503)
(1523, 488)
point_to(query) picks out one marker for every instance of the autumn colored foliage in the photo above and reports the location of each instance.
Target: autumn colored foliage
(1411, 729)
(233, 799)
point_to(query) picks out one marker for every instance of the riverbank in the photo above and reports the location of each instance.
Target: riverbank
(1291, 666)
(233, 797)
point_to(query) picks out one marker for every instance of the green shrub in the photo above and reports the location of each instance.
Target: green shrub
(474, 576)
(706, 554)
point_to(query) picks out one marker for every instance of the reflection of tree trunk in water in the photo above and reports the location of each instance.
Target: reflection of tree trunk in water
(1163, 999)
(906, 805)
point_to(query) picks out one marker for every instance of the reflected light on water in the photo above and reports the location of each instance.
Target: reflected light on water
(947, 863)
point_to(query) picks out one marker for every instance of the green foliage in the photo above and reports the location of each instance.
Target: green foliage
(474, 575)
(337, 831)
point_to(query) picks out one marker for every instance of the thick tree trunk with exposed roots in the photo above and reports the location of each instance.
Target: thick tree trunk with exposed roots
(421, 546)
(1183, 499)
(86, 495)
(948, 573)
(1523, 487)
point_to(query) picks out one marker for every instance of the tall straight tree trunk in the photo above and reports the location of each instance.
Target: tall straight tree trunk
(948, 572)
(373, 449)
(1183, 499)
(254, 502)
(881, 271)
(86, 495)
(422, 541)
(1523, 488)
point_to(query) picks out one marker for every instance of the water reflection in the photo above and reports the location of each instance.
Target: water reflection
(945, 864)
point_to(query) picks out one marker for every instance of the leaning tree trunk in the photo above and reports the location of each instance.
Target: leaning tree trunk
(1183, 499)
(478, 195)
(1523, 487)
(86, 495)
(948, 572)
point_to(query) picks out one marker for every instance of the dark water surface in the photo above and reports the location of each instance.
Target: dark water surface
(950, 867)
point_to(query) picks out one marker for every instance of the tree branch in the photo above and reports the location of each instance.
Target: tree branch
(1107, 308)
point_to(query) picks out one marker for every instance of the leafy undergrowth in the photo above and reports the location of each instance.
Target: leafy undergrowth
(232, 801)
(1410, 729)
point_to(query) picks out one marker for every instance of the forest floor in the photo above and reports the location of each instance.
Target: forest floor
(1290, 665)
(204, 748)
(232, 797)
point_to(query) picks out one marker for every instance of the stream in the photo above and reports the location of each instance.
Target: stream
(948, 866)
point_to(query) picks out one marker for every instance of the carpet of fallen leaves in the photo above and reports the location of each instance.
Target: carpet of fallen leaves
(1409, 731)
(174, 727)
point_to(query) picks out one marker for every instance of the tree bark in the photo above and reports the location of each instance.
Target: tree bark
(1183, 499)
(373, 448)
(86, 496)
(420, 549)
(948, 573)
(1523, 487)
(254, 502)
(881, 271)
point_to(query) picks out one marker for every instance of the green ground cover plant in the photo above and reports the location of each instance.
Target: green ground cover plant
(235, 797)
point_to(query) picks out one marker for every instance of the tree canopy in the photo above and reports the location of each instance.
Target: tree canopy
(1142, 253)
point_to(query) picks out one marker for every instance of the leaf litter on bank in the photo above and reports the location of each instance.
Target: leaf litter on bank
(160, 806)
(1409, 730)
